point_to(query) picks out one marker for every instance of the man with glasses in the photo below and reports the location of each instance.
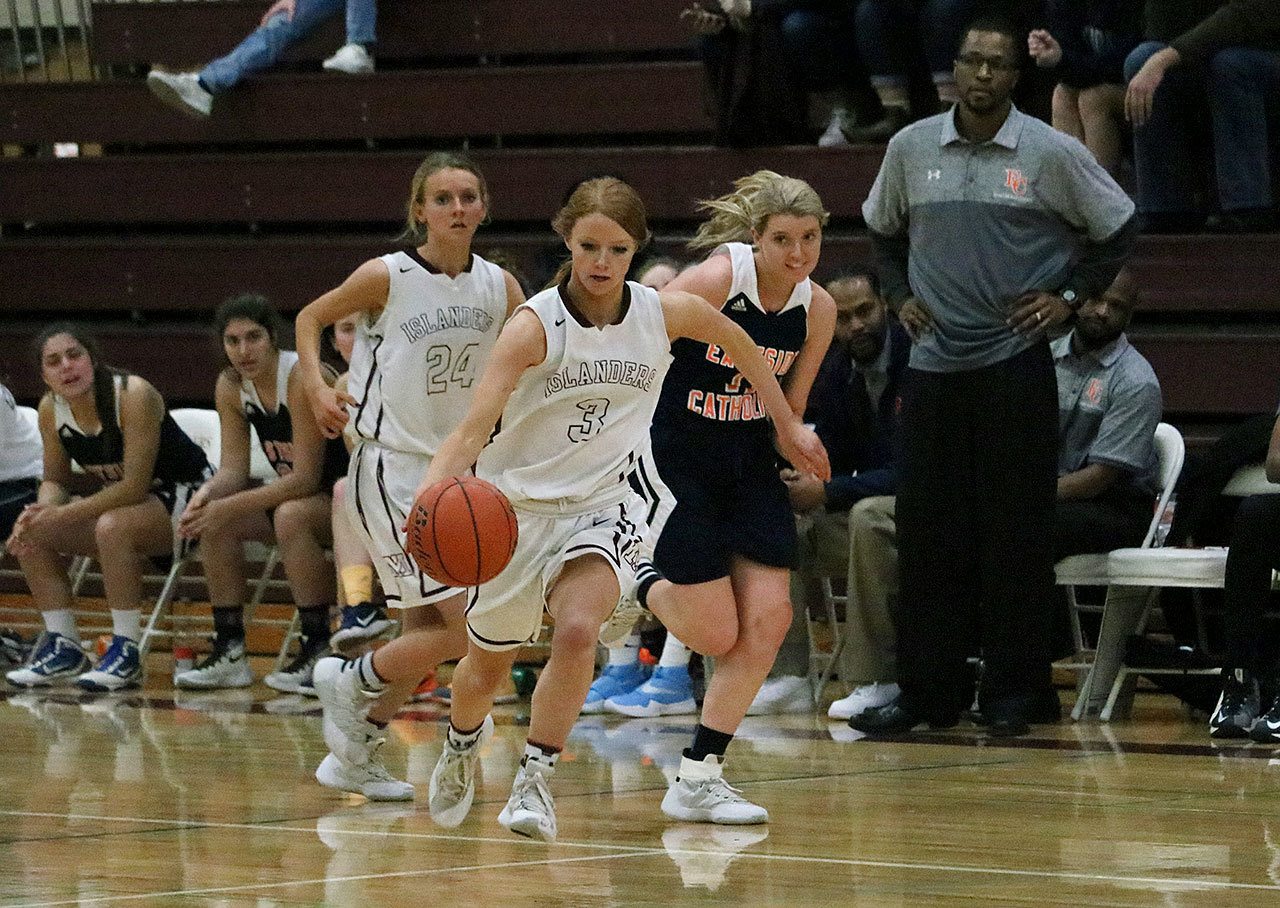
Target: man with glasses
(990, 229)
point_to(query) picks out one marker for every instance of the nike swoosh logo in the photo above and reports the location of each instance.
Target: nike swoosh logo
(559, 323)
(366, 620)
(403, 270)
(1274, 726)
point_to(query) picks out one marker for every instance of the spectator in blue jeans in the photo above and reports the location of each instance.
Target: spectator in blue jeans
(1234, 55)
(890, 36)
(283, 24)
(819, 38)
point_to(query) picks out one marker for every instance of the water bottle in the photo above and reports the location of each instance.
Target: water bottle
(184, 659)
(1165, 522)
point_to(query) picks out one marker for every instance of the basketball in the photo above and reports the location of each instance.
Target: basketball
(462, 531)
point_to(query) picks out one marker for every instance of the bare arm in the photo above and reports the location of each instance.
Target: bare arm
(710, 280)
(364, 291)
(55, 485)
(515, 293)
(690, 316)
(798, 381)
(522, 344)
(141, 410)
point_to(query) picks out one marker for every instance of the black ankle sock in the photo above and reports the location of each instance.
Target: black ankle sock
(648, 575)
(314, 621)
(228, 624)
(707, 741)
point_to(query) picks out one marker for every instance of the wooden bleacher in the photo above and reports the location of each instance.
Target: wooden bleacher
(300, 175)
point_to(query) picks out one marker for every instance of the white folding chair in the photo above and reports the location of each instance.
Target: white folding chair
(1093, 570)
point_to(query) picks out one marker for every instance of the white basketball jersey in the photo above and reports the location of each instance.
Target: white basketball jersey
(21, 450)
(414, 369)
(745, 280)
(572, 428)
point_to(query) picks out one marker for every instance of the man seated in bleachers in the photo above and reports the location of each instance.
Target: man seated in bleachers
(854, 408)
(283, 24)
(1109, 405)
(1235, 54)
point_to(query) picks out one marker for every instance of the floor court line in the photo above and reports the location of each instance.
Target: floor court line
(390, 875)
(630, 851)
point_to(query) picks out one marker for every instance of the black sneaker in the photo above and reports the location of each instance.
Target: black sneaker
(1267, 729)
(297, 674)
(366, 621)
(1237, 708)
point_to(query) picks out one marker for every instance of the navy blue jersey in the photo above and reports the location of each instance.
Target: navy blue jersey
(275, 429)
(178, 458)
(703, 387)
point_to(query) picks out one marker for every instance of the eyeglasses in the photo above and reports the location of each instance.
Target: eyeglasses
(995, 64)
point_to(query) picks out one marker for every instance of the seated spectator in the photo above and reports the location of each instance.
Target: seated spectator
(283, 24)
(262, 388)
(116, 428)
(854, 408)
(1085, 47)
(21, 462)
(1251, 670)
(1109, 405)
(890, 36)
(818, 36)
(755, 90)
(1234, 53)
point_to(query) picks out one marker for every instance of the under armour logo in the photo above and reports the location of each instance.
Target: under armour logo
(935, 174)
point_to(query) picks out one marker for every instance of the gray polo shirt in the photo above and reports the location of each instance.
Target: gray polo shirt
(1109, 405)
(987, 223)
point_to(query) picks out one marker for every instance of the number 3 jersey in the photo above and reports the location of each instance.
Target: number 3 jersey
(415, 367)
(572, 428)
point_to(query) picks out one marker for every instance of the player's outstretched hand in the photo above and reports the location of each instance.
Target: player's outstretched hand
(801, 446)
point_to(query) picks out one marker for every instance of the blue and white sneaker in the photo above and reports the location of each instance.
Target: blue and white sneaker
(119, 667)
(668, 692)
(365, 621)
(55, 659)
(614, 681)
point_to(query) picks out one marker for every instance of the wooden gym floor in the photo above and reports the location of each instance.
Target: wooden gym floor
(208, 799)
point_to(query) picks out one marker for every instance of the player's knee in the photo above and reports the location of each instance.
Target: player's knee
(768, 622)
(717, 640)
(112, 533)
(291, 519)
(576, 633)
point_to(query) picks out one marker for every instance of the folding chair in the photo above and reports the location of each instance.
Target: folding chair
(1136, 578)
(1093, 569)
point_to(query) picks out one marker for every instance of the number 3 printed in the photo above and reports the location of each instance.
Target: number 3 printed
(593, 413)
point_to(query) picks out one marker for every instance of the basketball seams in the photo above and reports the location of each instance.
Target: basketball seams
(439, 533)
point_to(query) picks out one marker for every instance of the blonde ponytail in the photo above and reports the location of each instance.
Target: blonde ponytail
(735, 217)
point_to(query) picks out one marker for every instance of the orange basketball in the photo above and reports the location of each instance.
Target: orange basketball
(462, 532)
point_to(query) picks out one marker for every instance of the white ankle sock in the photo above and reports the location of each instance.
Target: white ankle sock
(674, 653)
(627, 652)
(127, 623)
(61, 621)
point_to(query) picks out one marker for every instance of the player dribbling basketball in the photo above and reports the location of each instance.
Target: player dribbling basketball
(575, 378)
(429, 317)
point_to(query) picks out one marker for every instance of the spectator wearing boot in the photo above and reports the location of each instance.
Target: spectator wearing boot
(283, 24)
(854, 409)
(1251, 670)
(1233, 54)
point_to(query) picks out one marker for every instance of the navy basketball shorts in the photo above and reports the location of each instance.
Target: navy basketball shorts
(713, 496)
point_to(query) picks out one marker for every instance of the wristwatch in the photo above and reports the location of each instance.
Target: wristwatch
(1071, 298)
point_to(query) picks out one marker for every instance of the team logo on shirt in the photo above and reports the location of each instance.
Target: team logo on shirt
(1093, 393)
(1015, 181)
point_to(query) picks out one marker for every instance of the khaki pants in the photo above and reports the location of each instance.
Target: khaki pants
(860, 544)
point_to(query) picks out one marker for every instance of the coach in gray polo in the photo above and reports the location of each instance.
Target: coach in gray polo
(989, 229)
